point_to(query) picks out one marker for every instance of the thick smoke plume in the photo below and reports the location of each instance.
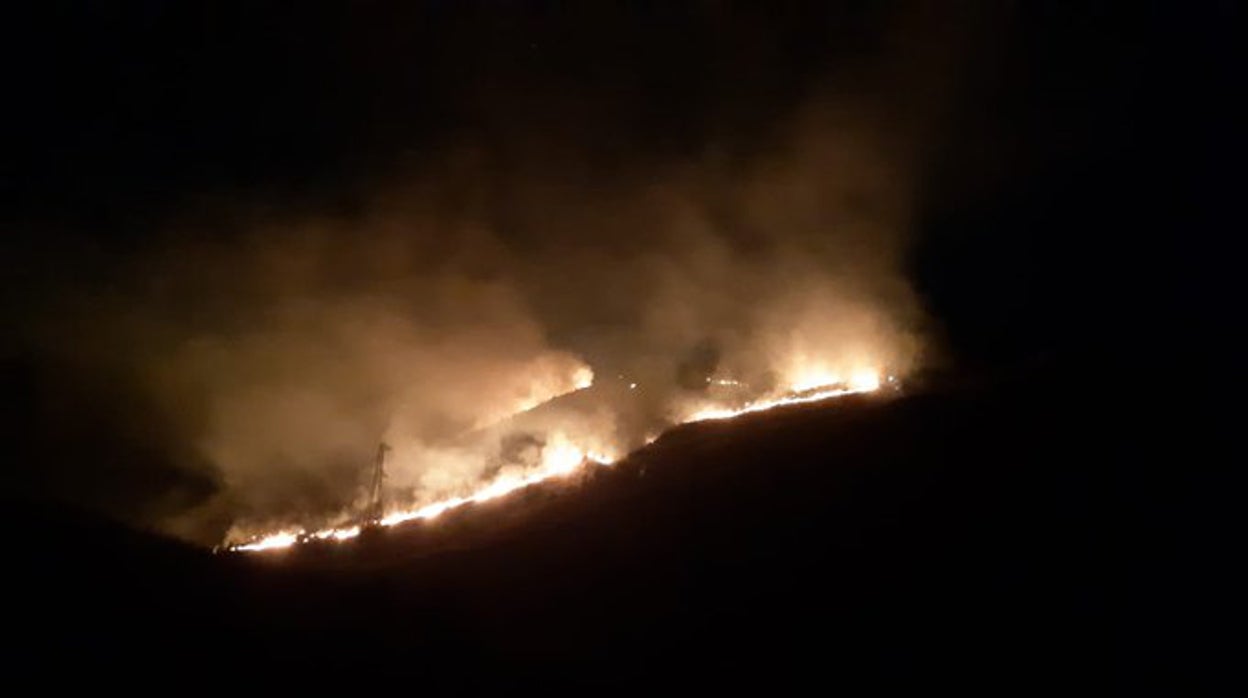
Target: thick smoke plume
(306, 342)
(496, 272)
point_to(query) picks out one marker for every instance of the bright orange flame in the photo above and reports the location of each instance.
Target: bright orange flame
(561, 457)
(283, 539)
(863, 382)
(338, 534)
(583, 378)
(813, 377)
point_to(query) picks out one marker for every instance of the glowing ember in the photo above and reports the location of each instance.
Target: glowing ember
(561, 457)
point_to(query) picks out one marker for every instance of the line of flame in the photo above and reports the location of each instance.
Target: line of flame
(860, 385)
(564, 459)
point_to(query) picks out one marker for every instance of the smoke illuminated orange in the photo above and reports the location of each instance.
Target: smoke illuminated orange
(561, 457)
(825, 393)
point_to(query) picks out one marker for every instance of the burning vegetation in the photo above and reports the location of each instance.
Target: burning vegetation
(506, 305)
(527, 458)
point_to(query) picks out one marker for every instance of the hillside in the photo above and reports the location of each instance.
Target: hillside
(955, 535)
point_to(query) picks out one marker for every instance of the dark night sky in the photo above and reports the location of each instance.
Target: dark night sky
(121, 115)
(1068, 193)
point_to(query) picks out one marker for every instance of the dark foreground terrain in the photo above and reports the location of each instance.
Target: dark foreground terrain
(1004, 535)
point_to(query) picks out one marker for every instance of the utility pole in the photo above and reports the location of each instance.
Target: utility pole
(375, 504)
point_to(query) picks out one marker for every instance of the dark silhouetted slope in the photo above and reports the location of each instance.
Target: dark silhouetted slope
(976, 537)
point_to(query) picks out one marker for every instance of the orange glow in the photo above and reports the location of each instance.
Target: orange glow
(583, 378)
(863, 382)
(338, 534)
(559, 458)
(283, 539)
(810, 378)
(562, 456)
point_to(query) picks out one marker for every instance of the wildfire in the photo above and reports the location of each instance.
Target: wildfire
(563, 459)
(583, 378)
(561, 456)
(810, 387)
(283, 539)
(811, 378)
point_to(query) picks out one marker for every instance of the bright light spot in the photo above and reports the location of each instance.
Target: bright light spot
(562, 458)
(583, 378)
(600, 458)
(811, 378)
(285, 539)
(864, 381)
(338, 534)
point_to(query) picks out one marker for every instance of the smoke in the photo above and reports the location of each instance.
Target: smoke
(492, 275)
(417, 329)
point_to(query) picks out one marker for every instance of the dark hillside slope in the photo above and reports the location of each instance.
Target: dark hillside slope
(974, 537)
